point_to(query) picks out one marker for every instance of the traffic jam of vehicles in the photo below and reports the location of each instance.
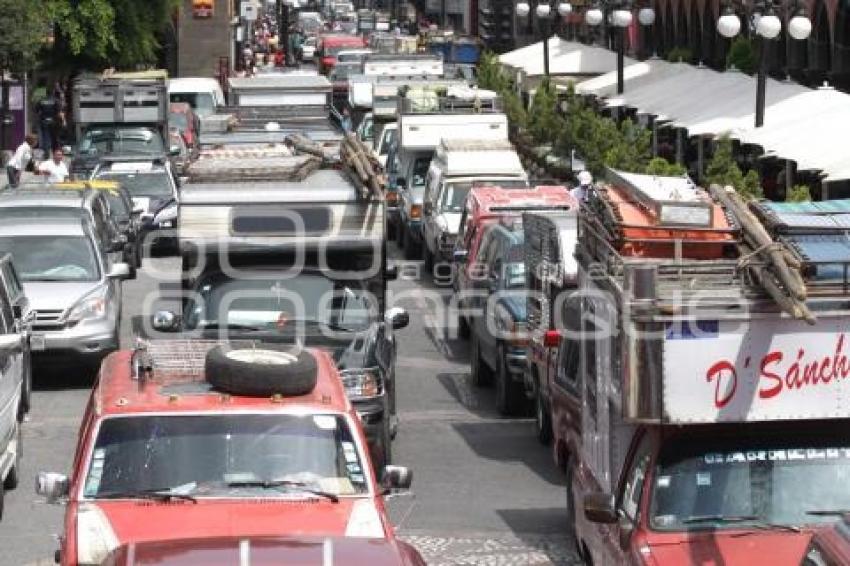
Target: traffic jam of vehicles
(682, 353)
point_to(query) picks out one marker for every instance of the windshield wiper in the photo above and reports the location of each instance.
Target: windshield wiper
(828, 512)
(719, 519)
(270, 484)
(213, 324)
(155, 494)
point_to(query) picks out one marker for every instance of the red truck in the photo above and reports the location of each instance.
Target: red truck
(331, 44)
(186, 439)
(698, 418)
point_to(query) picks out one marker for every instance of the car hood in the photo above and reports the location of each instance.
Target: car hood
(737, 547)
(58, 295)
(297, 551)
(138, 521)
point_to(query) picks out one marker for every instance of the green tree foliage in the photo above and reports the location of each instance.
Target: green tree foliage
(680, 55)
(723, 170)
(491, 76)
(96, 34)
(798, 193)
(630, 150)
(544, 122)
(23, 31)
(663, 168)
(742, 55)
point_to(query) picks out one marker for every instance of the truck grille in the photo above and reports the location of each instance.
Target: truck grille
(47, 319)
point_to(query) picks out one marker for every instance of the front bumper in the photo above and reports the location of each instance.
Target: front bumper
(90, 338)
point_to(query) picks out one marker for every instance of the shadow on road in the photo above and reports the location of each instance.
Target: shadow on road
(510, 441)
(57, 375)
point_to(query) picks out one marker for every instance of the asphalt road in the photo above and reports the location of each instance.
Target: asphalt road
(484, 490)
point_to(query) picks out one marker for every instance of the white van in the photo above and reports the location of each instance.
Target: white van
(203, 94)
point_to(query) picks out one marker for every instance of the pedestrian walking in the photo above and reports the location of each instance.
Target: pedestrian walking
(48, 111)
(20, 160)
(55, 169)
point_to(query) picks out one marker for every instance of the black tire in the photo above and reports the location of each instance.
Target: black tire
(508, 398)
(462, 326)
(481, 373)
(261, 372)
(571, 507)
(542, 418)
(383, 451)
(13, 477)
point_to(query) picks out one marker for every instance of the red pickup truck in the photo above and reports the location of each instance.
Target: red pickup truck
(331, 44)
(188, 439)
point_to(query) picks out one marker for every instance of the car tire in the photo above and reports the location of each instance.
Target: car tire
(481, 374)
(462, 326)
(542, 417)
(570, 530)
(508, 399)
(263, 371)
(13, 477)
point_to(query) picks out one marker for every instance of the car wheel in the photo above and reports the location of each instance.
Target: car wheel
(13, 477)
(481, 374)
(542, 418)
(507, 397)
(571, 506)
(462, 326)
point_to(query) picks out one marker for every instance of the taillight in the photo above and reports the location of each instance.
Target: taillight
(551, 339)
(391, 197)
(416, 211)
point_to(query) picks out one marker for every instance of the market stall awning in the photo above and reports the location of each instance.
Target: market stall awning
(565, 58)
(803, 125)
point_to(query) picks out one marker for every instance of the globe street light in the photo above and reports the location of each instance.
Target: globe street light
(619, 14)
(564, 9)
(768, 26)
(543, 11)
(522, 9)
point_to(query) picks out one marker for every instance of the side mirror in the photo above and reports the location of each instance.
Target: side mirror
(51, 485)
(11, 342)
(138, 209)
(397, 317)
(67, 150)
(551, 339)
(396, 477)
(600, 508)
(165, 321)
(174, 151)
(460, 256)
(119, 271)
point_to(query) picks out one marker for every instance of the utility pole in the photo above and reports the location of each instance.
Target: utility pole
(283, 28)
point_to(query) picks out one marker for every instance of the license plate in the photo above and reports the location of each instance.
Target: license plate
(37, 343)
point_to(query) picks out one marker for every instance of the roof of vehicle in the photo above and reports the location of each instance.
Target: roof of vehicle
(323, 185)
(342, 39)
(487, 202)
(281, 81)
(121, 164)
(475, 145)
(176, 383)
(346, 551)
(44, 195)
(192, 84)
(42, 227)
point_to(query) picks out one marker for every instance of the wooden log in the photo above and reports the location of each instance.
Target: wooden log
(758, 238)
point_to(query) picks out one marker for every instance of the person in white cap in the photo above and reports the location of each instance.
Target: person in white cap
(585, 184)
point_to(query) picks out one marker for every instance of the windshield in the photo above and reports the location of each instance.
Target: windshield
(178, 120)
(420, 169)
(389, 136)
(121, 141)
(696, 484)
(225, 456)
(201, 102)
(514, 275)
(156, 184)
(52, 258)
(280, 303)
(453, 196)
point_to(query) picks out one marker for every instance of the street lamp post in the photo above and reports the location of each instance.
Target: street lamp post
(767, 26)
(618, 13)
(543, 11)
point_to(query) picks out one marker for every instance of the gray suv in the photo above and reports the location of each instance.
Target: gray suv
(71, 284)
(14, 375)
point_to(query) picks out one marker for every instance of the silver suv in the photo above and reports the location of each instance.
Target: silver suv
(71, 284)
(14, 376)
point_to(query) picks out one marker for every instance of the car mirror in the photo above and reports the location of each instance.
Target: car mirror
(600, 508)
(119, 271)
(396, 477)
(174, 150)
(51, 485)
(11, 342)
(459, 256)
(165, 321)
(67, 150)
(397, 317)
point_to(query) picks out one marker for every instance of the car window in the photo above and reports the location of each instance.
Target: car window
(419, 171)
(567, 375)
(155, 184)
(387, 139)
(7, 317)
(630, 496)
(106, 141)
(453, 196)
(52, 258)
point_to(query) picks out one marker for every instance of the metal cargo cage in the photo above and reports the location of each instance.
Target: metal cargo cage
(109, 101)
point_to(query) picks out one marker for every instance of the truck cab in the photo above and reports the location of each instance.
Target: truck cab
(698, 413)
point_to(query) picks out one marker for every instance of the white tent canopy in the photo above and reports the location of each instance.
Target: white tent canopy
(565, 58)
(803, 125)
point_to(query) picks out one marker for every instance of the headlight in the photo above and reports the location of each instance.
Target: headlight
(95, 537)
(92, 305)
(391, 197)
(165, 218)
(416, 211)
(360, 383)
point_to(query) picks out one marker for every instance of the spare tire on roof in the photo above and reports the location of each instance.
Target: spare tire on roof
(261, 371)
